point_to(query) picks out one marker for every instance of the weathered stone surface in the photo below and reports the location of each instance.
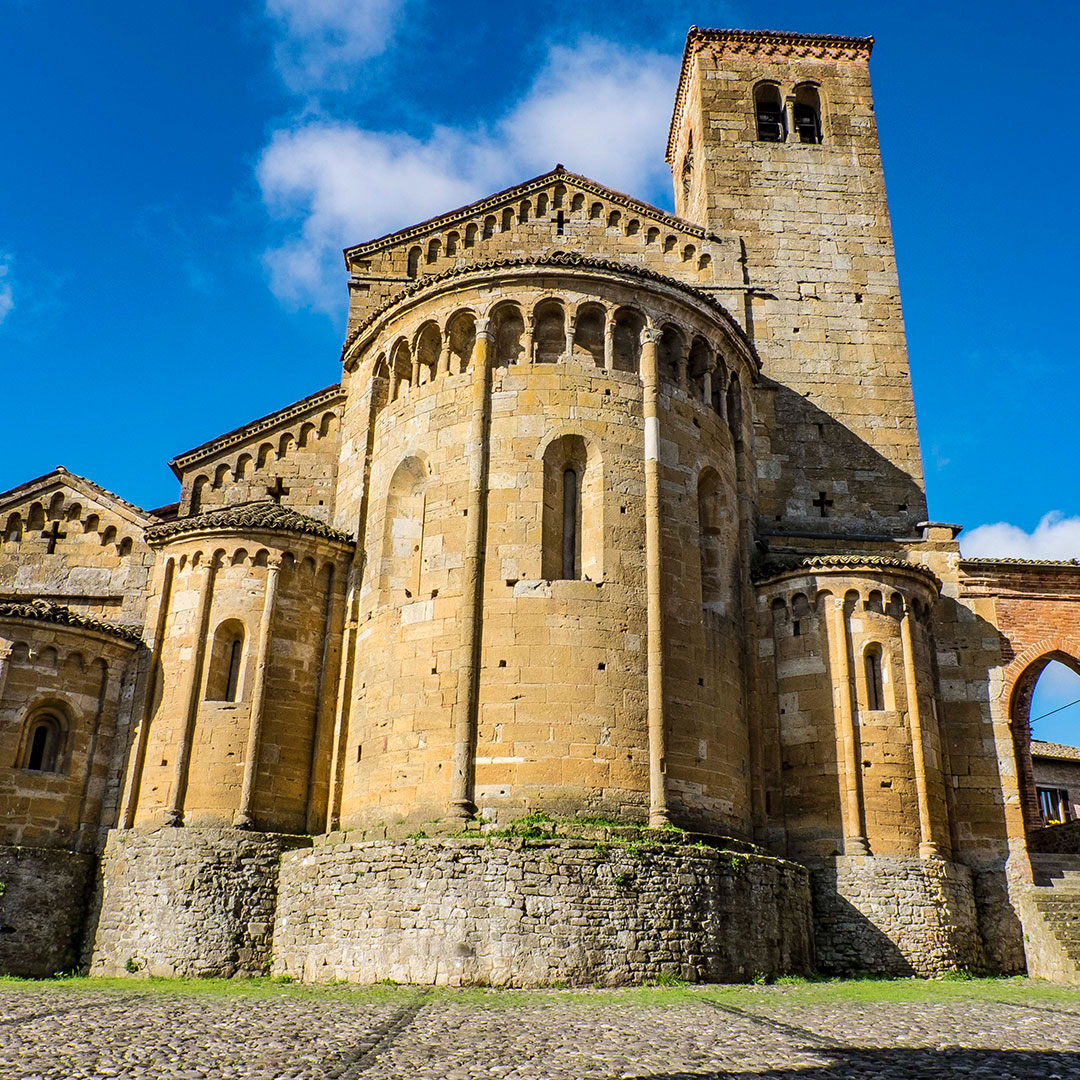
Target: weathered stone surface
(43, 895)
(894, 916)
(187, 902)
(514, 913)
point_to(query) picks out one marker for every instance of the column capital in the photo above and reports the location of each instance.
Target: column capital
(483, 327)
(650, 335)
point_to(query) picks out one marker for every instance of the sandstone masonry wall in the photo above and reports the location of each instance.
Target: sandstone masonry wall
(505, 913)
(187, 902)
(42, 907)
(897, 916)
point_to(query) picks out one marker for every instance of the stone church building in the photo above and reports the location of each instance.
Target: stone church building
(592, 628)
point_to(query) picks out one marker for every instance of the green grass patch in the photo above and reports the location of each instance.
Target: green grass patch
(785, 992)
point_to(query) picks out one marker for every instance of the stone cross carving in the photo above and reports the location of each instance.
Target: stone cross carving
(52, 534)
(277, 490)
(822, 504)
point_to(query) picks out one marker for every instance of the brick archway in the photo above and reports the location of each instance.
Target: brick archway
(1021, 675)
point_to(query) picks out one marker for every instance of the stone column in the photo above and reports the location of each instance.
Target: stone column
(244, 818)
(682, 364)
(466, 702)
(392, 393)
(570, 320)
(174, 815)
(929, 847)
(609, 345)
(341, 708)
(5, 662)
(138, 750)
(658, 808)
(332, 617)
(444, 357)
(83, 827)
(706, 381)
(527, 340)
(854, 833)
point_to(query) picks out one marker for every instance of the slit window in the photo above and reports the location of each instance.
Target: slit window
(571, 494)
(875, 691)
(769, 109)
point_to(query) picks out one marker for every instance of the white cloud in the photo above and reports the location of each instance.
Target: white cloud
(1055, 537)
(598, 108)
(7, 295)
(324, 42)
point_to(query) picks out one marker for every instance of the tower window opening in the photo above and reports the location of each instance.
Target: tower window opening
(569, 524)
(769, 109)
(875, 692)
(560, 223)
(807, 114)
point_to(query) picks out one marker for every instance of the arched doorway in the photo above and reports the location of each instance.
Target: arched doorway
(1044, 705)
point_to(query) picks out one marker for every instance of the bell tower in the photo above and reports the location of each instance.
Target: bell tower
(773, 141)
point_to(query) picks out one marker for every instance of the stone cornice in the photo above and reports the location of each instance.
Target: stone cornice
(838, 564)
(249, 517)
(1019, 564)
(558, 260)
(58, 615)
(759, 43)
(331, 395)
(478, 209)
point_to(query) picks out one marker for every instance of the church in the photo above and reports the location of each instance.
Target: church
(592, 629)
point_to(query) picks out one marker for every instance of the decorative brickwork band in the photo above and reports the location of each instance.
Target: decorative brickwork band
(466, 702)
(244, 818)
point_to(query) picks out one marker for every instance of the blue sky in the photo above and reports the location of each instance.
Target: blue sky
(179, 181)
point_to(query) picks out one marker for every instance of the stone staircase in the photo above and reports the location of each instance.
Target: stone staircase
(1051, 915)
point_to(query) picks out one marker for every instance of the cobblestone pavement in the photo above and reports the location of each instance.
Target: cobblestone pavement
(71, 1034)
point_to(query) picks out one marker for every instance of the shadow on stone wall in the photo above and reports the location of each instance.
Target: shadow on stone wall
(980, 819)
(907, 1063)
(818, 450)
(846, 941)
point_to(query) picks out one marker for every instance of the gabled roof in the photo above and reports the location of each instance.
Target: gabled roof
(512, 194)
(329, 395)
(760, 42)
(256, 516)
(60, 478)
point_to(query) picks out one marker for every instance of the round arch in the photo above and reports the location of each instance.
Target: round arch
(1021, 675)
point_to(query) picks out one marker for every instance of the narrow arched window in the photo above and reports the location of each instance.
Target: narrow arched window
(769, 109)
(571, 497)
(572, 525)
(226, 657)
(44, 744)
(414, 262)
(807, 113)
(875, 691)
